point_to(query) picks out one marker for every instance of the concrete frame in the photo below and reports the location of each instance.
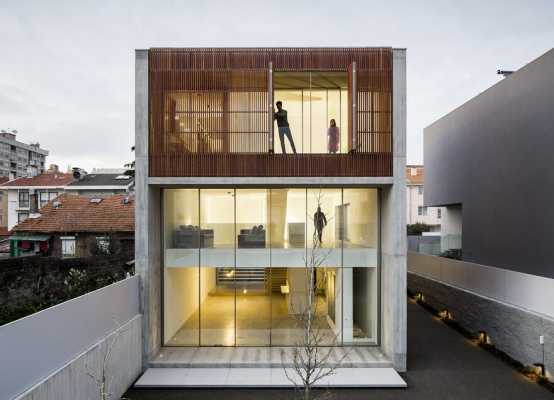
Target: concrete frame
(393, 219)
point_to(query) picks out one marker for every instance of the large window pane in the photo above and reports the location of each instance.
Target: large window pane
(217, 267)
(252, 280)
(181, 275)
(323, 225)
(287, 327)
(360, 221)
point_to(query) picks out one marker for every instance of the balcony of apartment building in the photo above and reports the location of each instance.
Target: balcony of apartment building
(212, 112)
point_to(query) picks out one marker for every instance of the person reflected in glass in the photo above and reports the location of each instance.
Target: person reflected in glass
(333, 137)
(283, 126)
(320, 221)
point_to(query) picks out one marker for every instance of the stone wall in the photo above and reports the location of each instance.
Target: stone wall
(511, 329)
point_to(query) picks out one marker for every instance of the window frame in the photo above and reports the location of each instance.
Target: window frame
(65, 239)
(21, 202)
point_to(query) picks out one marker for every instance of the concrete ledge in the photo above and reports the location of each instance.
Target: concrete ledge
(264, 377)
(261, 357)
(268, 181)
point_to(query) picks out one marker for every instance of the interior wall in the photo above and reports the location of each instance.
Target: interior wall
(365, 307)
(180, 298)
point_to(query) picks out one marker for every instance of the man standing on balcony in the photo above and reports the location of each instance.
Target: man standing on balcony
(283, 126)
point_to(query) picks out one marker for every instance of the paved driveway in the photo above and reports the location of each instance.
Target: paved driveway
(442, 365)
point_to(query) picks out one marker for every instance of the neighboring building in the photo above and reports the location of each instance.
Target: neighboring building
(417, 211)
(101, 185)
(19, 159)
(3, 203)
(78, 226)
(236, 213)
(26, 196)
(488, 164)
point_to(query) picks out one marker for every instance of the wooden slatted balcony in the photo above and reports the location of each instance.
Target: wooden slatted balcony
(272, 165)
(211, 112)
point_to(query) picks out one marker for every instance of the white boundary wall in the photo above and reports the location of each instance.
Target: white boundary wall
(529, 292)
(49, 354)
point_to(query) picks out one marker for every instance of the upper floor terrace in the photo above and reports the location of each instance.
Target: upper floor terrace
(211, 112)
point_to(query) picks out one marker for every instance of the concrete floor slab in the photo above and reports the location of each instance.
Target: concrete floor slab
(264, 377)
(262, 357)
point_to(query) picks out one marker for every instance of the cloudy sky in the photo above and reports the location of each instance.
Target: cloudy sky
(66, 69)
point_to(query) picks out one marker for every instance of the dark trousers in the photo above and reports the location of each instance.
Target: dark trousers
(285, 131)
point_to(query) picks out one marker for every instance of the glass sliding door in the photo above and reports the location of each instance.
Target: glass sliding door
(252, 276)
(288, 255)
(360, 219)
(181, 273)
(312, 100)
(217, 267)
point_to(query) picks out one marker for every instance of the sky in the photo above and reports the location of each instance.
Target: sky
(67, 67)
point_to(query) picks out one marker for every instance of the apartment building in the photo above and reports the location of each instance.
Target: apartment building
(235, 197)
(488, 165)
(18, 159)
(417, 212)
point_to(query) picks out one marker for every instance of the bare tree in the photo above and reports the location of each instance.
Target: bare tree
(101, 378)
(312, 354)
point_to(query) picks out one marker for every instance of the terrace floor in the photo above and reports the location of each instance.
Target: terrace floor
(441, 365)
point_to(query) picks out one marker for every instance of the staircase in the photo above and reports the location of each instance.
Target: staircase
(241, 275)
(278, 278)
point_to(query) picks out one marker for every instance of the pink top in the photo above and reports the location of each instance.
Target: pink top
(333, 139)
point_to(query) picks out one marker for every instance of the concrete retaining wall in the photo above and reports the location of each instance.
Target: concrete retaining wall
(51, 354)
(512, 329)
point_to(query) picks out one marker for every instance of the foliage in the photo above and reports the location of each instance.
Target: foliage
(417, 229)
(39, 284)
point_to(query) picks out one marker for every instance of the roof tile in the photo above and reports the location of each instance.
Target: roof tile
(79, 214)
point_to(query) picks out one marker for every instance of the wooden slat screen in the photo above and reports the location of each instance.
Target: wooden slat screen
(210, 106)
(272, 165)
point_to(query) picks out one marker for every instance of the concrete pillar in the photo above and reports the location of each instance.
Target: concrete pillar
(393, 229)
(147, 219)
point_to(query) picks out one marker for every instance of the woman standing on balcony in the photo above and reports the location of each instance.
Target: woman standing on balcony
(333, 137)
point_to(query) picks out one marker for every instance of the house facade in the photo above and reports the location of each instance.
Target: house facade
(417, 211)
(227, 200)
(25, 196)
(78, 226)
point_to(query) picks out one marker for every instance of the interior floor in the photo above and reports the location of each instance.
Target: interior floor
(261, 320)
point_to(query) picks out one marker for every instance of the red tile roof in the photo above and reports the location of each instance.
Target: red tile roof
(4, 231)
(51, 179)
(79, 214)
(4, 179)
(414, 179)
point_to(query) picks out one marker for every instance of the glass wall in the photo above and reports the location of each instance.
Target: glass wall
(234, 265)
(312, 100)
